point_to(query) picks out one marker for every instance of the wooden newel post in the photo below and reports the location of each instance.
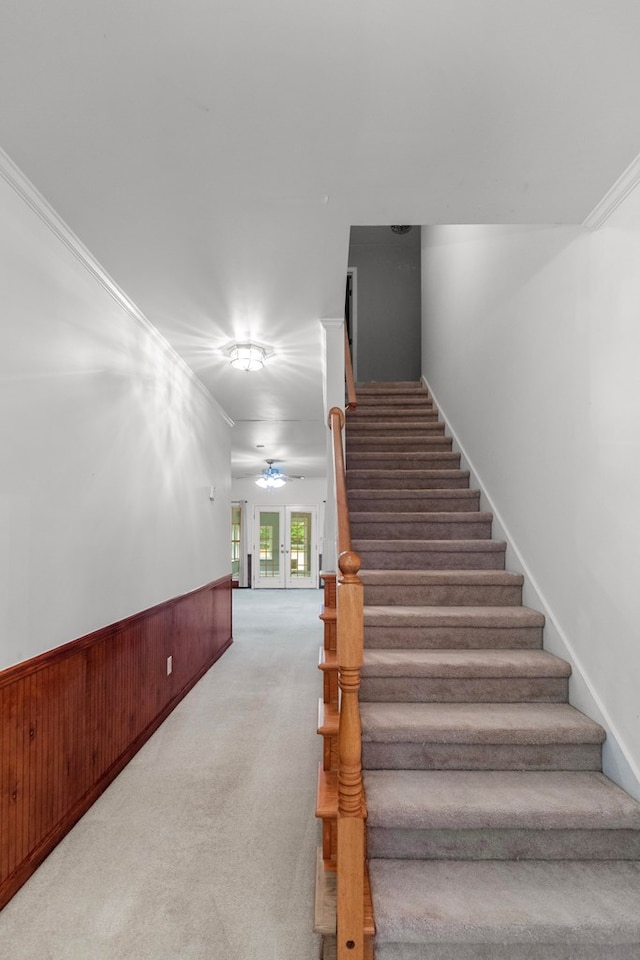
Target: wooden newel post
(351, 812)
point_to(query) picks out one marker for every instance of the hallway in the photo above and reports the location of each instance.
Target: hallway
(204, 847)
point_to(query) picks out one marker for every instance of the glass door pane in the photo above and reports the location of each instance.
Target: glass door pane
(269, 544)
(301, 547)
(236, 531)
(269, 548)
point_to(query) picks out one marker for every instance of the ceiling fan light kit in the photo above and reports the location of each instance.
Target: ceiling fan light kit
(270, 483)
(272, 478)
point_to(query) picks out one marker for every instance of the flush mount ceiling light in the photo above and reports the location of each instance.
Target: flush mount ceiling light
(400, 228)
(247, 356)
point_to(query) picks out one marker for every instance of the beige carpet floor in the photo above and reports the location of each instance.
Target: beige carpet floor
(204, 847)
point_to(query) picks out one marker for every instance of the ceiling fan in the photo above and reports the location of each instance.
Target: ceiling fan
(272, 477)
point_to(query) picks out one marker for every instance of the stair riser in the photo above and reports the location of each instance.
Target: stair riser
(410, 466)
(471, 529)
(373, 480)
(400, 429)
(452, 638)
(485, 756)
(400, 460)
(444, 595)
(468, 503)
(413, 411)
(400, 444)
(463, 690)
(425, 560)
(497, 844)
(408, 480)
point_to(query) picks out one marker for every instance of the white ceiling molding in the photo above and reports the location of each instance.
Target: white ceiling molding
(623, 186)
(36, 202)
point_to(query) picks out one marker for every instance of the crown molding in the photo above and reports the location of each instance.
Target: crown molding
(12, 175)
(623, 186)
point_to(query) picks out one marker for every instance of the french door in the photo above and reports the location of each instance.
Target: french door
(285, 547)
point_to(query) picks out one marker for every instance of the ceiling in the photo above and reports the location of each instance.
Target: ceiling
(213, 155)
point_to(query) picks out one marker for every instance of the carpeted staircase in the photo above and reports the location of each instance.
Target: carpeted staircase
(492, 834)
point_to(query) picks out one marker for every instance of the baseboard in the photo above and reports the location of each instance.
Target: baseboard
(617, 764)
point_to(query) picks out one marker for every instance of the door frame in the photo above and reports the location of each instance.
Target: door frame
(353, 332)
(285, 582)
(244, 541)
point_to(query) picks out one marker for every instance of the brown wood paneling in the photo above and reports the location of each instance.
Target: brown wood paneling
(72, 718)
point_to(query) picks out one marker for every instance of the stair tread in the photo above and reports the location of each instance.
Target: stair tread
(437, 577)
(463, 663)
(370, 387)
(505, 799)
(401, 462)
(415, 493)
(328, 614)
(474, 616)
(439, 516)
(326, 793)
(400, 423)
(328, 718)
(396, 458)
(445, 479)
(515, 723)
(327, 660)
(436, 474)
(401, 411)
(397, 398)
(506, 902)
(355, 441)
(435, 546)
(413, 395)
(326, 899)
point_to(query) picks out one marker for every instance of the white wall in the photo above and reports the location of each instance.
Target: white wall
(531, 343)
(334, 389)
(108, 444)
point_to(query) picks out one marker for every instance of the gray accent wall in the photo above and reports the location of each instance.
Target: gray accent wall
(388, 303)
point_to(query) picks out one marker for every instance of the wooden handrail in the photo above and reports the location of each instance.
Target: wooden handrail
(351, 802)
(336, 423)
(352, 401)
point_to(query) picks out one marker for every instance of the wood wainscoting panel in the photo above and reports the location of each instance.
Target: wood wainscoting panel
(71, 719)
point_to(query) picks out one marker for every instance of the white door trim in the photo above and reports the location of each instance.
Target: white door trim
(284, 580)
(353, 273)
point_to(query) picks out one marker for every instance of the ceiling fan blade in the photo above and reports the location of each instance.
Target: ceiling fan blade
(271, 472)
